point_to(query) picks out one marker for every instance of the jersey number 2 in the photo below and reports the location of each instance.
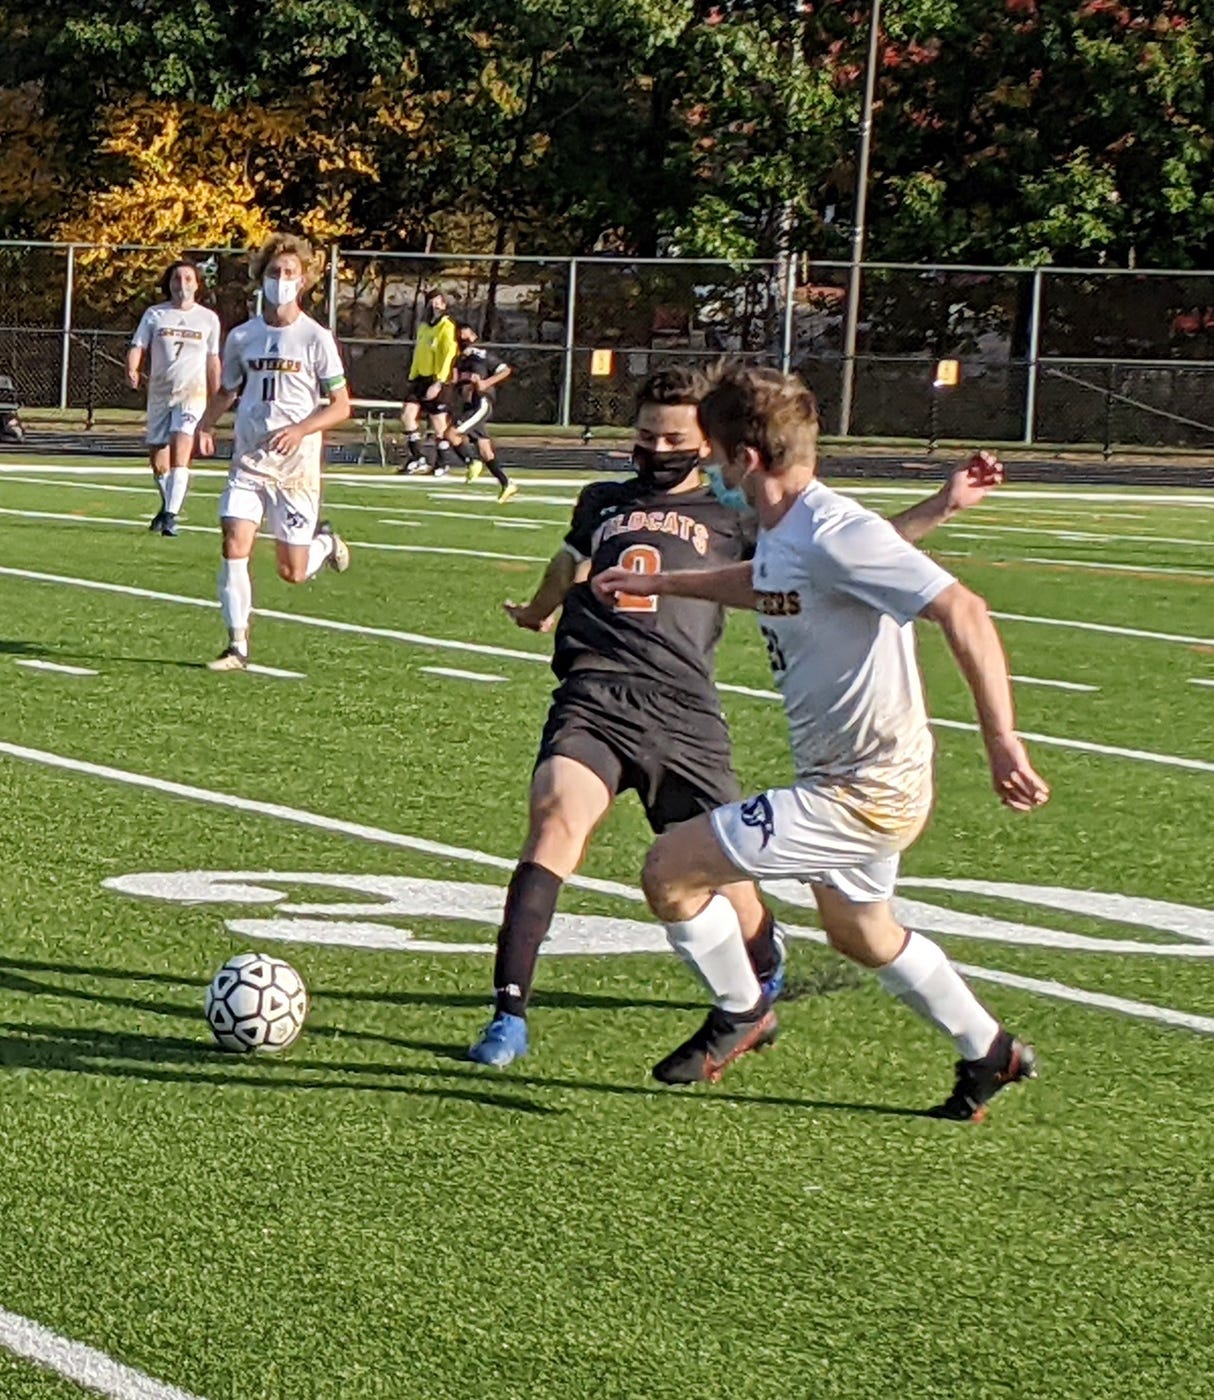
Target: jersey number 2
(640, 559)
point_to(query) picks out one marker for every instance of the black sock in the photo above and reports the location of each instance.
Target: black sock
(530, 905)
(498, 475)
(444, 455)
(762, 947)
(415, 444)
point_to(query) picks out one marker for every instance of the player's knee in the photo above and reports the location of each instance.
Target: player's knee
(291, 572)
(659, 880)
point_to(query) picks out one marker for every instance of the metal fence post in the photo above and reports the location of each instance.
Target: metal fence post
(65, 354)
(790, 293)
(331, 289)
(1030, 397)
(570, 324)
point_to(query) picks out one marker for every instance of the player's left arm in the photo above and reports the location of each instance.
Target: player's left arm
(332, 376)
(968, 486)
(730, 587)
(446, 350)
(974, 641)
(501, 373)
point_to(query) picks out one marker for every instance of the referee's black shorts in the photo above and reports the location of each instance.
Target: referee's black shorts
(672, 751)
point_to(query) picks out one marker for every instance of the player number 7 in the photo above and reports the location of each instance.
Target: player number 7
(640, 559)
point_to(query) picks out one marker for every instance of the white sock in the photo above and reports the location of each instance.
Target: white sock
(236, 599)
(174, 491)
(712, 945)
(162, 485)
(923, 978)
(318, 551)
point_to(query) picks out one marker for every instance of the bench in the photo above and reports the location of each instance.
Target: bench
(375, 414)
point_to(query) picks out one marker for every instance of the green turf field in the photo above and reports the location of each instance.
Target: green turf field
(369, 1216)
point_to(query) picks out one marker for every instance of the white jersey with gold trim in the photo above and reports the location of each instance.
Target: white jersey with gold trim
(282, 373)
(177, 341)
(838, 589)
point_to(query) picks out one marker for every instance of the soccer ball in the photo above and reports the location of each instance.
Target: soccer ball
(256, 1002)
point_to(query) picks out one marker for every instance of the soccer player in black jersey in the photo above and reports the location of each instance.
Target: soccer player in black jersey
(478, 372)
(637, 706)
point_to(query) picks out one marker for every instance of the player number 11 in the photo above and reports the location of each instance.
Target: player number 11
(641, 559)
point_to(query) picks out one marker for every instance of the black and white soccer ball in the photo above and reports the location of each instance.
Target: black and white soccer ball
(256, 1002)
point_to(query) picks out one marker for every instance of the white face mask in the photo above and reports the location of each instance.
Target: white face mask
(281, 291)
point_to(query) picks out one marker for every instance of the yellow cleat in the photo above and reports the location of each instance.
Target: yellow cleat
(507, 493)
(475, 468)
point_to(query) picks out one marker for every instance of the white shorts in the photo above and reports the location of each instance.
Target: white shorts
(290, 512)
(802, 833)
(166, 420)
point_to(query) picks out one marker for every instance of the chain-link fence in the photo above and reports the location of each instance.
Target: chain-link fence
(1045, 354)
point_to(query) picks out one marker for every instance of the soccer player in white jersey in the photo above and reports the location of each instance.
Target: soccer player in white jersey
(837, 591)
(180, 340)
(282, 365)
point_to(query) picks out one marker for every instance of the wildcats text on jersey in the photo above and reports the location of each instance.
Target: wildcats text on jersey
(656, 522)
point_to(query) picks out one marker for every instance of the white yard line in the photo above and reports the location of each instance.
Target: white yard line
(1056, 685)
(34, 665)
(1086, 536)
(84, 1365)
(275, 672)
(463, 515)
(1201, 681)
(408, 524)
(483, 649)
(1107, 628)
(70, 519)
(1107, 567)
(459, 675)
(381, 836)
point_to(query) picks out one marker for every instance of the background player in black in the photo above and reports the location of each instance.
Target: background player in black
(636, 706)
(478, 372)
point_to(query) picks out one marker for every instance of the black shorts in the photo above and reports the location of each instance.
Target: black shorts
(673, 754)
(471, 420)
(415, 392)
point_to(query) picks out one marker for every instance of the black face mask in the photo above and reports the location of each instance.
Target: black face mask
(661, 471)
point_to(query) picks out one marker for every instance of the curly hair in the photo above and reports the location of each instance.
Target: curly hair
(280, 243)
(775, 413)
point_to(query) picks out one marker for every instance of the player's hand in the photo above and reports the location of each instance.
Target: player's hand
(1013, 776)
(287, 440)
(969, 485)
(204, 443)
(473, 379)
(525, 616)
(132, 378)
(616, 580)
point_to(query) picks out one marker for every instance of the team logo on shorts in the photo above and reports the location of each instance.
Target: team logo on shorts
(757, 813)
(294, 520)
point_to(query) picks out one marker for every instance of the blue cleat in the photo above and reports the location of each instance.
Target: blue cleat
(502, 1041)
(773, 983)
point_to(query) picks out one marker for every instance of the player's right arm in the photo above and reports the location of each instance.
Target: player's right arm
(559, 577)
(968, 486)
(221, 399)
(135, 351)
(569, 565)
(731, 587)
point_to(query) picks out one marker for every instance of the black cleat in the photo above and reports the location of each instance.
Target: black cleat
(978, 1081)
(718, 1042)
(168, 524)
(157, 522)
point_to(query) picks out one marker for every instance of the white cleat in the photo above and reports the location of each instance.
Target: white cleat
(229, 660)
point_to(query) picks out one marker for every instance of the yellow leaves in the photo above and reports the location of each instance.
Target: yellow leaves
(195, 176)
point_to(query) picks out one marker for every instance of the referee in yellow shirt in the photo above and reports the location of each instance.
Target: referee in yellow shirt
(429, 371)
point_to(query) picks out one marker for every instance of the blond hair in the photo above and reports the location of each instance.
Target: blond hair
(775, 413)
(280, 243)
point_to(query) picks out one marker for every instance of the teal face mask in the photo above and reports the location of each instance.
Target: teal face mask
(732, 496)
